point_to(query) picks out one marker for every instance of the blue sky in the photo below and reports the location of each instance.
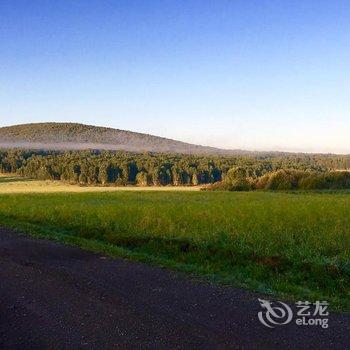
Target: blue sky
(236, 74)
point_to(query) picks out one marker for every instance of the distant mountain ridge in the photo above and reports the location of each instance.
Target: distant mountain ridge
(74, 136)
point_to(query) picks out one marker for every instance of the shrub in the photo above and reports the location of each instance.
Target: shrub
(216, 186)
(236, 179)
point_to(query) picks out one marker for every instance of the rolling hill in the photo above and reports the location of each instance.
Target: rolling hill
(73, 136)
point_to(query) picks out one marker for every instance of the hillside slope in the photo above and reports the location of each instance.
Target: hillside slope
(80, 136)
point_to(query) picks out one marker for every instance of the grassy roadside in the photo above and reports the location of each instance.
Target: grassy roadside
(289, 245)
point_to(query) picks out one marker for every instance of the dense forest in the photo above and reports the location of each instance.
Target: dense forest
(156, 169)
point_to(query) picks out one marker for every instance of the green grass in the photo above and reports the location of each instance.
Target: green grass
(294, 245)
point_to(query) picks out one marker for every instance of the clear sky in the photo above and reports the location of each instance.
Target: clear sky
(262, 75)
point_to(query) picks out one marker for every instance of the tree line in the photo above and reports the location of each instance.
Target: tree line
(160, 169)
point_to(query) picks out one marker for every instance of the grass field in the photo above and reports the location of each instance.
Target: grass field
(17, 184)
(294, 245)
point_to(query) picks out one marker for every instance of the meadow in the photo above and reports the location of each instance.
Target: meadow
(10, 183)
(290, 244)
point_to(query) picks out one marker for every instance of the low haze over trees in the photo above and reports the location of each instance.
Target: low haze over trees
(80, 136)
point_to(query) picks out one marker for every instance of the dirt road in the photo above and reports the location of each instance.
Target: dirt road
(58, 297)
